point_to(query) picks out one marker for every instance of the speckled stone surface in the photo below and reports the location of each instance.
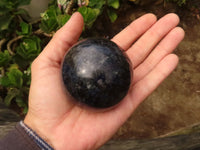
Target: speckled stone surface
(97, 73)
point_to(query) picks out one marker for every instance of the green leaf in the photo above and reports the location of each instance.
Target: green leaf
(25, 110)
(12, 66)
(53, 2)
(11, 94)
(29, 48)
(13, 78)
(6, 4)
(62, 19)
(26, 29)
(112, 15)
(96, 3)
(4, 81)
(89, 15)
(5, 21)
(4, 58)
(27, 76)
(3, 11)
(22, 104)
(3, 3)
(49, 20)
(13, 4)
(113, 3)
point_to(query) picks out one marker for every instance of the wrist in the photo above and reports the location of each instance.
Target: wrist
(35, 137)
(37, 131)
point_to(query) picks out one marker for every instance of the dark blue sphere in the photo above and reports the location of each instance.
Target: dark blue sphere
(97, 73)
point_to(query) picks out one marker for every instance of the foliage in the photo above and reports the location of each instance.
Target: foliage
(4, 58)
(55, 17)
(22, 41)
(9, 12)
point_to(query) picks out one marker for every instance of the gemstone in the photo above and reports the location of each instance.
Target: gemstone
(96, 72)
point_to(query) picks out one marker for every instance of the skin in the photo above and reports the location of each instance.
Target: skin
(68, 126)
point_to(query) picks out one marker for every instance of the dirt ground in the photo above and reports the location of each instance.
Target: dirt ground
(176, 103)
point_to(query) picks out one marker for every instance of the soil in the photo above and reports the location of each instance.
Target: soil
(176, 103)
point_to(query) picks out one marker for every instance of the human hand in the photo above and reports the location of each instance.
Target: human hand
(67, 126)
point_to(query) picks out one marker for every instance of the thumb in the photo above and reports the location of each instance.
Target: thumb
(63, 39)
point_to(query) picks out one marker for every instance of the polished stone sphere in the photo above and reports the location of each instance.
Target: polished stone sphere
(96, 72)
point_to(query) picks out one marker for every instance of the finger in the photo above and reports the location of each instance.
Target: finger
(126, 37)
(63, 39)
(141, 49)
(150, 82)
(165, 47)
(142, 89)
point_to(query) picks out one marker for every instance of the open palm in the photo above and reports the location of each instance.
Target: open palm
(67, 126)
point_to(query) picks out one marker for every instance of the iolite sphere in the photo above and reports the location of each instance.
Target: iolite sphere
(97, 73)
